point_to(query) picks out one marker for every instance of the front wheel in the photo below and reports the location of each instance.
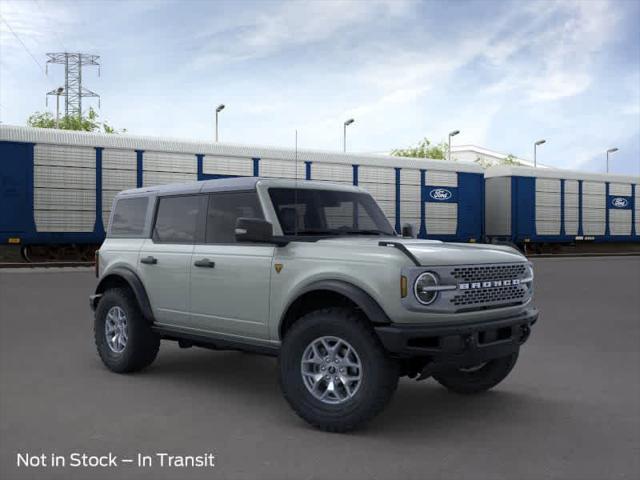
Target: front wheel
(333, 370)
(477, 378)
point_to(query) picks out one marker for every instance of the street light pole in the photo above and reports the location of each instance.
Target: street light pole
(59, 91)
(451, 134)
(611, 150)
(344, 133)
(219, 108)
(535, 146)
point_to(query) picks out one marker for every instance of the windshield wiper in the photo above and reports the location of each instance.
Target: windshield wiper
(365, 232)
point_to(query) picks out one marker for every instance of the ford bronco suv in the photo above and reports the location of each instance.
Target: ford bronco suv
(313, 273)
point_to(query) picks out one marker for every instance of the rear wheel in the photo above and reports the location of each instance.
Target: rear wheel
(333, 370)
(477, 378)
(124, 339)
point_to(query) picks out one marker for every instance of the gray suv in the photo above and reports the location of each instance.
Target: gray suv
(313, 273)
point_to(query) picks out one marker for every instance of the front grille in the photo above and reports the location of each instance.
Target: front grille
(479, 273)
(511, 294)
(480, 286)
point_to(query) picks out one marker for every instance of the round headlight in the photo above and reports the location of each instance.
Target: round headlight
(423, 288)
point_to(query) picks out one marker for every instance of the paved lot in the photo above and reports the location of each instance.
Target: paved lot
(570, 409)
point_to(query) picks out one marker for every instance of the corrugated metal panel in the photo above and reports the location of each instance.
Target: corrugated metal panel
(547, 185)
(64, 188)
(162, 178)
(119, 159)
(270, 167)
(595, 188)
(409, 177)
(620, 189)
(333, 172)
(620, 221)
(571, 186)
(594, 215)
(64, 221)
(64, 199)
(409, 210)
(441, 179)
(130, 142)
(169, 162)
(217, 165)
(593, 202)
(547, 206)
(441, 218)
(593, 228)
(571, 220)
(368, 174)
(380, 191)
(64, 156)
(118, 179)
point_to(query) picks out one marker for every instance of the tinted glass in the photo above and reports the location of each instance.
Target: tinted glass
(177, 219)
(328, 212)
(128, 217)
(225, 209)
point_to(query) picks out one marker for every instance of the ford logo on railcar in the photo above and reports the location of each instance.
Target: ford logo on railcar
(440, 194)
(619, 202)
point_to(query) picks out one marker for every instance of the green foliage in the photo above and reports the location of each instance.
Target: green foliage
(424, 149)
(88, 123)
(508, 160)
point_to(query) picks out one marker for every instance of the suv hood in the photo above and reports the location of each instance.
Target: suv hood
(435, 252)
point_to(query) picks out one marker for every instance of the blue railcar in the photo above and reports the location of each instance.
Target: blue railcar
(57, 187)
(544, 205)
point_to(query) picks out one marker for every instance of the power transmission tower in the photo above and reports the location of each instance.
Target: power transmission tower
(73, 92)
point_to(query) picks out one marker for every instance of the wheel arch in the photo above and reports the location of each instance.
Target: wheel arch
(125, 277)
(325, 293)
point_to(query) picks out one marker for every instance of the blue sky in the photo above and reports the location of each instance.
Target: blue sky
(504, 73)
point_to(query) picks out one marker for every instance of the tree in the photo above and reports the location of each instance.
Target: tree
(88, 123)
(424, 149)
(508, 160)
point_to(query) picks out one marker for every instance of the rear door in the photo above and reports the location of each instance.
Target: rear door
(229, 280)
(165, 258)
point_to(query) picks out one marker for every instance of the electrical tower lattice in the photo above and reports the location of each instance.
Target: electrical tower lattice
(74, 92)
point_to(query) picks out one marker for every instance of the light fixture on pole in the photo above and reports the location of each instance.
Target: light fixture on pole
(219, 108)
(344, 133)
(451, 134)
(611, 150)
(59, 91)
(535, 147)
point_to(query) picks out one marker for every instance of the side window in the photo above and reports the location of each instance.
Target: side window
(128, 217)
(177, 219)
(225, 209)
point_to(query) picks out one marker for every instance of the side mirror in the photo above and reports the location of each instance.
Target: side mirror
(407, 230)
(254, 230)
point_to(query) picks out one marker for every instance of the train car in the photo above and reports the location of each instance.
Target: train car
(57, 186)
(551, 206)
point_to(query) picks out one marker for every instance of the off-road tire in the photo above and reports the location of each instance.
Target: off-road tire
(142, 344)
(481, 380)
(379, 372)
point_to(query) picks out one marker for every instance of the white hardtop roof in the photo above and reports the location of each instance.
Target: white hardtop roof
(512, 171)
(236, 184)
(12, 133)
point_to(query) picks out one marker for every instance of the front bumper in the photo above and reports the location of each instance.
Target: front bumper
(459, 345)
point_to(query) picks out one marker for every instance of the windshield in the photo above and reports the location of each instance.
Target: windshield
(328, 212)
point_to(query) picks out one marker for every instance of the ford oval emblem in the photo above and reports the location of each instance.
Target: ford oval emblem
(440, 194)
(619, 202)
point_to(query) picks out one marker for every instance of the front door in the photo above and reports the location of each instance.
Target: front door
(230, 281)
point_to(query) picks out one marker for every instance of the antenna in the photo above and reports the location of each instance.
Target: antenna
(295, 188)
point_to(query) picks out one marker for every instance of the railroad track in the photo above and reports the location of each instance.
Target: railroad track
(56, 264)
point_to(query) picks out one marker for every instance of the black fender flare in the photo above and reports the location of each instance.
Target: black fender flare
(134, 282)
(362, 299)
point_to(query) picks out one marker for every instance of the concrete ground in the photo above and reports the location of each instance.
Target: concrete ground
(570, 409)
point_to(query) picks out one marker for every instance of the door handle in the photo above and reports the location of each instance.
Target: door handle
(205, 262)
(149, 260)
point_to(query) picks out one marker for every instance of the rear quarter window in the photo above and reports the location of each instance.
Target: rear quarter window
(129, 217)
